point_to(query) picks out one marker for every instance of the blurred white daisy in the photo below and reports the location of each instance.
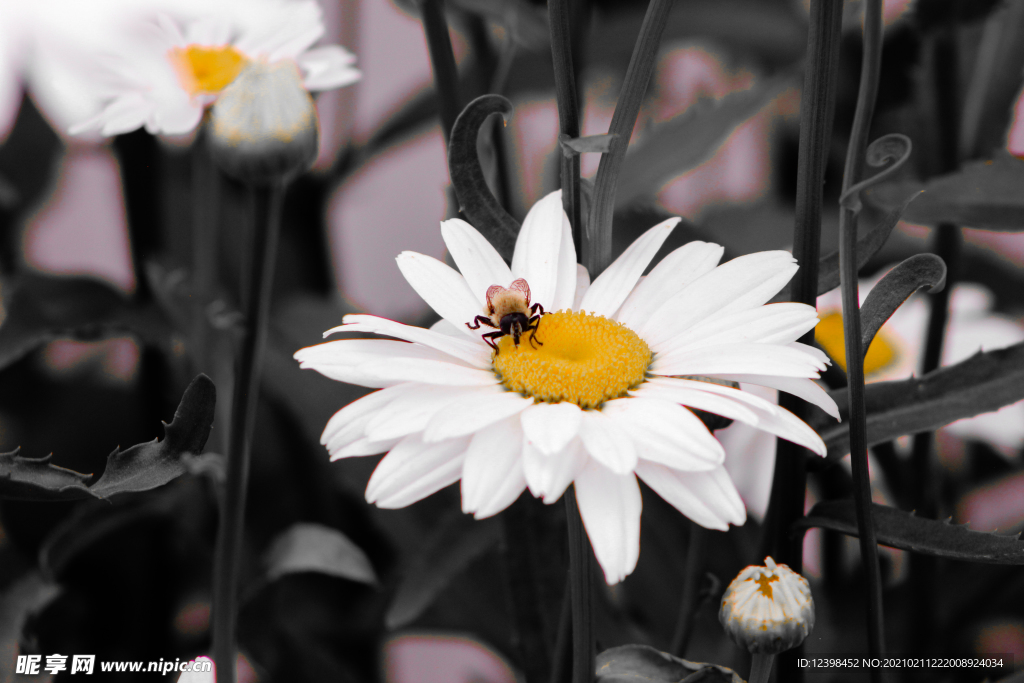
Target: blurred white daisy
(174, 59)
(594, 396)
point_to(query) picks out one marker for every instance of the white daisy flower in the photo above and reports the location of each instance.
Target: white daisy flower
(593, 396)
(170, 65)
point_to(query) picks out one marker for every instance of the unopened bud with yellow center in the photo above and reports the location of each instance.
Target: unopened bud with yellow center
(263, 127)
(768, 609)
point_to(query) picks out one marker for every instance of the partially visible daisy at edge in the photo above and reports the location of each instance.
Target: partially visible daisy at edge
(594, 396)
(168, 68)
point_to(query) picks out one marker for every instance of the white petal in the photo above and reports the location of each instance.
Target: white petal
(492, 473)
(477, 260)
(607, 442)
(666, 432)
(750, 462)
(341, 360)
(670, 276)
(610, 506)
(582, 285)
(476, 354)
(708, 498)
(441, 287)
(551, 426)
(772, 324)
(565, 289)
(807, 389)
(549, 477)
(612, 286)
(413, 470)
(395, 370)
(667, 389)
(744, 282)
(349, 423)
(536, 257)
(412, 411)
(473, 413)
(444, 327)
(774, 359)
(327, 67)
(364, 446)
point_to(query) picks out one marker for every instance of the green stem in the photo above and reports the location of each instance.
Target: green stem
(866, 97)
(442, 61)
(581, 586)
(227, 561)
(641, 65)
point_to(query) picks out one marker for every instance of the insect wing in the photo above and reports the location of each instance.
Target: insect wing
(493, 291)
(522, 286)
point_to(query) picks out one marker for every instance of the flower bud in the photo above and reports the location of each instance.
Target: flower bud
(263, 127)
(767, 609)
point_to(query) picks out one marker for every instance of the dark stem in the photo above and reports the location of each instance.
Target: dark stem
(568, 115)
(139, 154)
(266, 202)
(561, 663)
(695, 556)
(641, 65)
(205, 243)
(581, 579)
(866, 97)
(442, 61)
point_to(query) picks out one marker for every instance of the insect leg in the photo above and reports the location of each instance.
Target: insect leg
(480, 319)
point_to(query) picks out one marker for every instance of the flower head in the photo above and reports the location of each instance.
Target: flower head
(767, 609)
(162, 75)
(596, 395)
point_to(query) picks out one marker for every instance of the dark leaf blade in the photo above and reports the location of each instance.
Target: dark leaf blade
(147, 466)
(920, 270)
(37, 479)
(448, 551)
(982, 194)
(694, 137)
(320, 549)
(644, 664)
(480, 207)
(983, 383)
(907, 531)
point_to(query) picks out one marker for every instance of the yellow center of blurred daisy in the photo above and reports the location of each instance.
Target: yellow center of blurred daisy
(829, 334)
(206, 70)
(582, 358)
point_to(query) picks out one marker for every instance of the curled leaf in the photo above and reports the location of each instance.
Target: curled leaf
(321, 549)
(481, 208)
(894, 148)
(644, 664)
(905, 530)
(920, 270)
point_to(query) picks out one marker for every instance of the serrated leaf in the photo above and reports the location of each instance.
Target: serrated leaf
(480, 207)
(24, 597)
(644, 664)
(140, 468)
(983, 383)
(982, 194)
(317, 548)
(907, 531)
(920, 270)
(677, 146)
(41, 308)
(450, 549)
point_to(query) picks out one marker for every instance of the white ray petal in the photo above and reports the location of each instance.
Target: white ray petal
(492, 473)
(443, 288)
(426, 371)
(607, 442)
(364, 446)
(666, 432)
(775, 359)
(807, 389)
(610, 506)
(708, 498)
(355, 360)
(772, 324)
(470, 352)
(347, 424)
(414, 469)
(477, 260)
(551, 426)
(549, 477)
(565, 289)
(536, 257)
(612, 286)
(473, 413)
(327, 67)
(411, 412)
(669, 277)
(582, 285)
(666, 389)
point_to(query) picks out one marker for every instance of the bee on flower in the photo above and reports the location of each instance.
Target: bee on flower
(604, 400)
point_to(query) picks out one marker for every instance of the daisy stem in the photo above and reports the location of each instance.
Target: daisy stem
(568, 114)
(581, 579)
(442, 61)
(760, 668)
(598, 253)
(696, 551)
(256, 306)
(870, 66)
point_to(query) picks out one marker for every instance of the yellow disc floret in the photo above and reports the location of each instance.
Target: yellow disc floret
(206, 70)
(575, 356)
(829, 335)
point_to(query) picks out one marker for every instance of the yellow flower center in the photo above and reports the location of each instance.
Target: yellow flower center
(829, 334)
(206, 70)
(582, 358)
